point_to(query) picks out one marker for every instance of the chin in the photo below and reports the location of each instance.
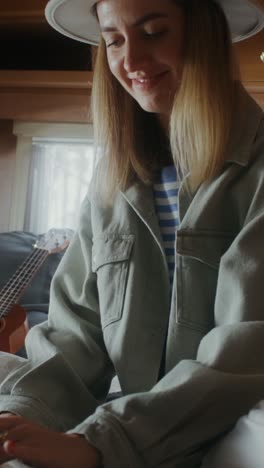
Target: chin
(154, 109)
(155, 106)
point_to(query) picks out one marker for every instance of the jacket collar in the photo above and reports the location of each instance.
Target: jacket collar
(140, 197)
(244, 129)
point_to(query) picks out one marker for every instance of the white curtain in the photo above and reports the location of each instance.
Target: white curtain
(59, 179)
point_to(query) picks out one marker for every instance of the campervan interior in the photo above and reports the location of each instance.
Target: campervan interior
(46, 133)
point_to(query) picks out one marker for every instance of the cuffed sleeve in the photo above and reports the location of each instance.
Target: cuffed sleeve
(68, 372)
(198, 401)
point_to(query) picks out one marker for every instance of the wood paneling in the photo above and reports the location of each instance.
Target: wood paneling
(64, 95)
(257, 94)
(249, 51)
(45, 96)
(7, 168)
(45, 79)
(251, 66)
(23, 28)
(22, 12)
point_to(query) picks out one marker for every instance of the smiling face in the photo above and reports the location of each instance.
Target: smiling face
(144, 43)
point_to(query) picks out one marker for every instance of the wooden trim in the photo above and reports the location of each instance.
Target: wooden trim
(45, 105)
(256, 89)
(69, 79)
(31, 12)
(254, 86)
(60, 96)
(74, 131)
(45, 79)
(19, 17)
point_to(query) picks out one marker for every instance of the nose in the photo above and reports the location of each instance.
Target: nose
(135, 56)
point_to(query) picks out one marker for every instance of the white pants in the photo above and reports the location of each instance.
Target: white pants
(243, 447)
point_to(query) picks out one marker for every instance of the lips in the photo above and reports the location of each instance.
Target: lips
(149, 81)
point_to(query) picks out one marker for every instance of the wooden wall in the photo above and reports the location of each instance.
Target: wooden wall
(54, 96)
(251, 66)
(64, 94)
(7, 165)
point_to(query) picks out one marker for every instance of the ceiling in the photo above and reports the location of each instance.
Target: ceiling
(30, 43)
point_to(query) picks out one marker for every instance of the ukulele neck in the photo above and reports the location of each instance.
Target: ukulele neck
(15, 287)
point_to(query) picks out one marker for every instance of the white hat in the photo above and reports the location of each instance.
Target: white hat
(74, 19)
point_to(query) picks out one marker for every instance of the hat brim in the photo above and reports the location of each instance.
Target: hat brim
(74, 19)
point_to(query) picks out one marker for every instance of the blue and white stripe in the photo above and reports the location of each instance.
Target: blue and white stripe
(166, 193)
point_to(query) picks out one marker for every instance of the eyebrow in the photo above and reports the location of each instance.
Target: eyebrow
(139, 22)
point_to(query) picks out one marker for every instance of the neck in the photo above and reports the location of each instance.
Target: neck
(164, 121)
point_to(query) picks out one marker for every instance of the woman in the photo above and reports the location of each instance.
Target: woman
(177, 317)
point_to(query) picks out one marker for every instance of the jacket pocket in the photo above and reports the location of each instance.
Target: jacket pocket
(197, 266)
(110, 261)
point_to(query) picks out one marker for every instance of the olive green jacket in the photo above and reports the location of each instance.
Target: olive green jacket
(111, 313)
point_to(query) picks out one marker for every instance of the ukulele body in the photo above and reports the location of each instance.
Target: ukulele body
(13, 323)
(13, 329)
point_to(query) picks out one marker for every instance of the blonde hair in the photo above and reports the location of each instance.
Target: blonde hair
(131, 140)
(202, 111)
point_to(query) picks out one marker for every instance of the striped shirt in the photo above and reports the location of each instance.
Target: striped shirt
(166, 190)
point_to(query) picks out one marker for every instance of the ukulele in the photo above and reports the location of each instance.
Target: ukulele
(13, 318)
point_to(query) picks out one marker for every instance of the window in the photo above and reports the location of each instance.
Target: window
(54, 167)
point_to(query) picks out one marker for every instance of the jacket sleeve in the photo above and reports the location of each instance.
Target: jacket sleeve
(54, 386)
(199, 400)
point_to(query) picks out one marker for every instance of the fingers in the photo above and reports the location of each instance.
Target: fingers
(54, 450)
(7, 422)
(12, 428)
(25, 442)
(8, 447)
(4, 457)
(16, 435)
(18, 451)
(3, 436)
(47, 453)
(17, 428)
(42, 448)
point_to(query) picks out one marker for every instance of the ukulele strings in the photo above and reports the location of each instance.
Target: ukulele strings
(14, 288)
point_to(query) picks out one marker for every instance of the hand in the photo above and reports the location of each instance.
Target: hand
(3, 456)
(39, 447)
